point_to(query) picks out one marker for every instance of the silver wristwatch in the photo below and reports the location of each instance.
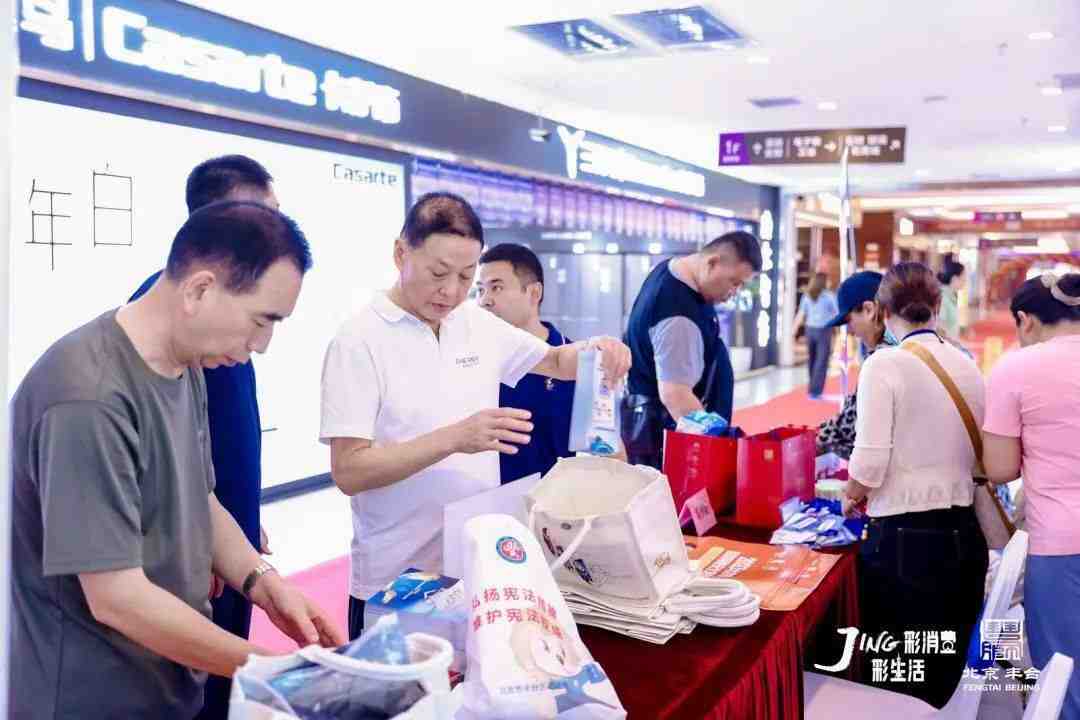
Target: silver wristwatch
(253, 577)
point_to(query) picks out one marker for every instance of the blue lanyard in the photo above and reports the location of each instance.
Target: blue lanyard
(924, 331)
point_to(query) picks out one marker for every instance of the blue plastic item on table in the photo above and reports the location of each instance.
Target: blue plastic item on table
(818, 523)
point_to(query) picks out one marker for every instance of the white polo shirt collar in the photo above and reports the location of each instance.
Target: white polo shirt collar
(387, 309)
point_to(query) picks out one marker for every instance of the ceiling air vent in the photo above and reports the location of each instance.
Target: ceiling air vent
(577, 38)
(935, 99)
(692, 27)
(775, 102)
(1068, 81)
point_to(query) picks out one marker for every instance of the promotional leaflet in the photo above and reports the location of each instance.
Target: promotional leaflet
(781, 575)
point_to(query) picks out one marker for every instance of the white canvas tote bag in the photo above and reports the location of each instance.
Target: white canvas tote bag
(613, 530)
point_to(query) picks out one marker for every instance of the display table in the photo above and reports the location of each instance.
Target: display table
(736, 674)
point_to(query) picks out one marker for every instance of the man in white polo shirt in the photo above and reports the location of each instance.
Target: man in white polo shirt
(410, 395)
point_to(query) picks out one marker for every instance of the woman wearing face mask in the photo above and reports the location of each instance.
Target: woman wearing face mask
(410, 397)
(859, 310)
(818, 305)
(1033, 423)
(923, 562)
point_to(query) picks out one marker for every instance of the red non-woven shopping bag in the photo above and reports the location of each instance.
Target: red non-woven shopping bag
(693, 463)
(773, 467)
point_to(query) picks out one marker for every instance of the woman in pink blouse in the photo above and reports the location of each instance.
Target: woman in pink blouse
(1033, 424)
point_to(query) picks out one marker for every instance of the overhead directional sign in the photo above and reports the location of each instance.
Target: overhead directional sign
(808, 147)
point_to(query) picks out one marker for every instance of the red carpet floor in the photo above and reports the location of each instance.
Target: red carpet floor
(327, 584)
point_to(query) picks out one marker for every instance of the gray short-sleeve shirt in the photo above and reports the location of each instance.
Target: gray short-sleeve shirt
(111, 469)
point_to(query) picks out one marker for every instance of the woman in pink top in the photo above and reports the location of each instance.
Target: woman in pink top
(1033, 423)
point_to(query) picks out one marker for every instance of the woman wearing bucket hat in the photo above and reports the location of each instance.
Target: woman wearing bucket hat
(860, 312)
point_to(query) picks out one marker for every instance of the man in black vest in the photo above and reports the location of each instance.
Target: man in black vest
(680, 364)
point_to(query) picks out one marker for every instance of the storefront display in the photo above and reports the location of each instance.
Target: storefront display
(103, 211)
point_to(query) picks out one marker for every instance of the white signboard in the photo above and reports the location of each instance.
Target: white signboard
(97, 199)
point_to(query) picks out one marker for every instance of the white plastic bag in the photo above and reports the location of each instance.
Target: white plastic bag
(594, 418)
(526, 659)
(613, 529)
(254, 698)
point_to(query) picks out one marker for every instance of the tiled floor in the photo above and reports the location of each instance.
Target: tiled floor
(313, 528)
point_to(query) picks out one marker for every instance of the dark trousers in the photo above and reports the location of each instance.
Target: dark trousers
(232, 612)
(819, 343)
(643, 421)
(923, 571)
(356, 617)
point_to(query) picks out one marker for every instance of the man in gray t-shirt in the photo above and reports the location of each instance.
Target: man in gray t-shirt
(115, 527)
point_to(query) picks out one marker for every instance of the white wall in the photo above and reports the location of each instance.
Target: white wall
(351, 227)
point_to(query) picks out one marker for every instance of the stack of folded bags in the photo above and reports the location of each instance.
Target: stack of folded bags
(718, 603)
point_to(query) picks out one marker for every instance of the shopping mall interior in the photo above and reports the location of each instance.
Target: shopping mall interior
(616, 141)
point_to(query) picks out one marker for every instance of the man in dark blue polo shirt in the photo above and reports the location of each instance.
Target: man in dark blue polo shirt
(511, 285)
(235, 430)
(680, 364)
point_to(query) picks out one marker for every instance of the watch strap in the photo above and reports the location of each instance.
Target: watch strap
(253, 577)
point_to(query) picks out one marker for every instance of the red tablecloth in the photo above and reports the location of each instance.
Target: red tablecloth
(720, 674)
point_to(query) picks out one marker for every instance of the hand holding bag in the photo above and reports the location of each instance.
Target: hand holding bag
(329, 684)
(994, 521)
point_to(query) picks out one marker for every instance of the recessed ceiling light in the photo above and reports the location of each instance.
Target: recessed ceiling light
(827, 105)
(1041, 35)
(1044, 214)
(1066, 169)
(960, 215)
(922, 173)
(1056, 128)
(1052, 90)
(612, 248)
(758, 60)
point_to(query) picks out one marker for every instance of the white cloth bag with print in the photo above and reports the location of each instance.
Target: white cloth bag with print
(526, 659)
(611, 531)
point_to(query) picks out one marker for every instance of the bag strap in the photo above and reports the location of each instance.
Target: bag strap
(925, 355)
(966, 415)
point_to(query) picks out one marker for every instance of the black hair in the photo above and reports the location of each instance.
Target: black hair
(243, 238)
(910, 290)
(1035, 298)
(441, 212)
(526, 265)
(215, 178)
(952, 269)
(746, 247)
